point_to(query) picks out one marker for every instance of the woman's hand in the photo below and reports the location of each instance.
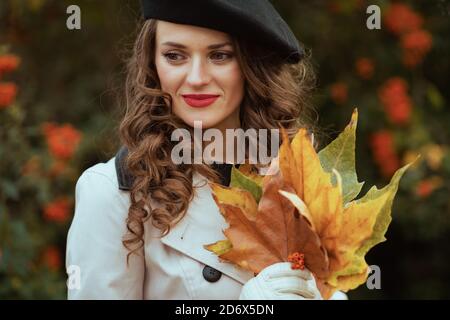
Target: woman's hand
(280, 282)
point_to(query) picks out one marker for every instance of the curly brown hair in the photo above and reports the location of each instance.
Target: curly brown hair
(276, 94)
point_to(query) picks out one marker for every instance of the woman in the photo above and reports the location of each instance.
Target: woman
(141, 220)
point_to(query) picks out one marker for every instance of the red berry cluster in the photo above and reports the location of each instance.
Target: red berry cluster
(415, 42)
(396, 101)
(298, 260)
(384, 152)
(416, 45)
(62, 140)
(339, 92)
(401, 18)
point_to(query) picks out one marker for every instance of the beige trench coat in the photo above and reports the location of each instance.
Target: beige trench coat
(170, 267)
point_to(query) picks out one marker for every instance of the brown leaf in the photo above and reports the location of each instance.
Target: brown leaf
(277, 231)
(289, 231)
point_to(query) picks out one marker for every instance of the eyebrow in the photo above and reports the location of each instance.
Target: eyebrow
(212, 46)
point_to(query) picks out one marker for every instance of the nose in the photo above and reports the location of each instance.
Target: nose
(198, 74)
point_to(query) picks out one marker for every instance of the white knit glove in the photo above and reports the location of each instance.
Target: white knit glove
(279, 282)
(339, 295)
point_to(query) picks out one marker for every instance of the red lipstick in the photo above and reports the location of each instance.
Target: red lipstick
(200, 100)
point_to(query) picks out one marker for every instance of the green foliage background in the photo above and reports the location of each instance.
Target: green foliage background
(75, 76)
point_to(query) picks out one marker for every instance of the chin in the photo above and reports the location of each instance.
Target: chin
(209, 119)
(205, 123)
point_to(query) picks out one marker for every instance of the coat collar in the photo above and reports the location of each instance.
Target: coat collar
(126, 179)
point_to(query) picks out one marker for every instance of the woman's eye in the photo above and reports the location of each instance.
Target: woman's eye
(220, 56)
(172, 56)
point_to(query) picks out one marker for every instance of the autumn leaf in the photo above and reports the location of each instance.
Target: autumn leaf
(308, 207)
(265, 233)
(250, 171)
(347, 229)
(351, 276)
(340, 155)
(247, 181)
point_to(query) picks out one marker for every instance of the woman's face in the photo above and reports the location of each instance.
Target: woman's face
(198, 68)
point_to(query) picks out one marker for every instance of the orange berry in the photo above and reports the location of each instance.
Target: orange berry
(8, 92)
(8, 63)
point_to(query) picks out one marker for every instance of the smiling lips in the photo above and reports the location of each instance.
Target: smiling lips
(200, 100)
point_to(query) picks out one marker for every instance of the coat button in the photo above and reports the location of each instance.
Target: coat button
(210, 274)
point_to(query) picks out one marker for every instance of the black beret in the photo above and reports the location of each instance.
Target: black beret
(256, 20)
